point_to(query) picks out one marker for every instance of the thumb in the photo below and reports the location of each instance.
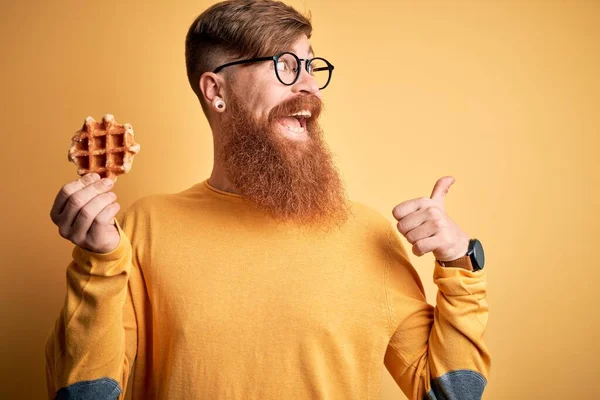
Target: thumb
(441, 188)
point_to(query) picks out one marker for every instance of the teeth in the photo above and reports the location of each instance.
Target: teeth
(295, 129)
(303, 113)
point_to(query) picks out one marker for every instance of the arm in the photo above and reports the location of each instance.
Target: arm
(92, 347)
(436, 353)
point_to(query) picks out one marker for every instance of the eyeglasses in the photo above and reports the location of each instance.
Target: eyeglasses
(287, 68)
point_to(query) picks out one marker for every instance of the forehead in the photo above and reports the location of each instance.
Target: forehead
(303, 48)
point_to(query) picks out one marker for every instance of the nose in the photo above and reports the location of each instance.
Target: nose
(306, 83)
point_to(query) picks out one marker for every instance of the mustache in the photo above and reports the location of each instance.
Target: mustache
(303, 102)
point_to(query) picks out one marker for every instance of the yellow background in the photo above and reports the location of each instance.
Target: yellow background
(504, 96)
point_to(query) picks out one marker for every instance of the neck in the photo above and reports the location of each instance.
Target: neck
(217, 178)
(219, 181)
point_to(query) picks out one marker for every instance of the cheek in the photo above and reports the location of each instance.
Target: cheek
(260, 102)
(262, 95)
(262, 106)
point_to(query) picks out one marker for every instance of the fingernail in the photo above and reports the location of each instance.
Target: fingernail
(106, 182)
(94, 176)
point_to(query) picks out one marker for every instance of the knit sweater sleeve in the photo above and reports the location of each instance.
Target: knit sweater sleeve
(93, 344)
(436, 352)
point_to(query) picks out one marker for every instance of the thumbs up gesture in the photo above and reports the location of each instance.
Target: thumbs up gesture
(425, 224)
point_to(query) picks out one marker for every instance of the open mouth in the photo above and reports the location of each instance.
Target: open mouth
(296, 122)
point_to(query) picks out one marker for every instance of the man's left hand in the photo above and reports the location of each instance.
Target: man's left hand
(425, 224)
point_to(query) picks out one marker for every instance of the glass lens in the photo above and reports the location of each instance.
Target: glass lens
(287, 68)
(320, 70)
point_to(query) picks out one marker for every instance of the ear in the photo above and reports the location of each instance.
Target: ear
(212, 87)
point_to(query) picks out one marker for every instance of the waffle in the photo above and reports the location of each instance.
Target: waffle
(106, 148)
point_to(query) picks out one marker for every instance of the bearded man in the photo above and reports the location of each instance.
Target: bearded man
(263, 281)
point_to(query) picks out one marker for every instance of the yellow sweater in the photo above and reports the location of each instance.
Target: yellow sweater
(214, 300)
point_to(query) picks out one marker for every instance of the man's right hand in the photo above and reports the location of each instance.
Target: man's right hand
(84, 210)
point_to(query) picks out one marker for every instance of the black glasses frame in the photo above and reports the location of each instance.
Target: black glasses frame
(275, 59)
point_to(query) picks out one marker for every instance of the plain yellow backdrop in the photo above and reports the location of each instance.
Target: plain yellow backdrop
(502, 95)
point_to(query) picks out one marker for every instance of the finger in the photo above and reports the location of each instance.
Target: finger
(441, 188)
(69, 189)
(410, 206)
(417, 218)
(100, 229)
(426, 245)
(107, 215)
(89, 213)
(78, 200)
(411, 221)
(423, 231)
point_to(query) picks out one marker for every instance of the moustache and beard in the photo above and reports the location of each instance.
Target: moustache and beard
(291, 180)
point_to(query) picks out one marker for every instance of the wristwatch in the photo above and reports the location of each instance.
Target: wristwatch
(474, 260)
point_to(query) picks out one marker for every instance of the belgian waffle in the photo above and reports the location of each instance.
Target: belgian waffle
(105, 147)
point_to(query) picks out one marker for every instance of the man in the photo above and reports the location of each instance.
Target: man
(263, 281)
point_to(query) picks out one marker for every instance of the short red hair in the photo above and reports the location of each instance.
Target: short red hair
(240, 29)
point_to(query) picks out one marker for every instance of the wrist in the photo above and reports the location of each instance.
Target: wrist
(473, 260)
(462, 262)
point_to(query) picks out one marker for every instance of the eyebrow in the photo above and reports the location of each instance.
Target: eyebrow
(310, 51)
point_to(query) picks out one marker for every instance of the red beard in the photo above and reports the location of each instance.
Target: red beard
(290, 180)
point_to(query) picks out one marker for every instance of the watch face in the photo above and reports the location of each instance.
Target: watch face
(478, 254)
